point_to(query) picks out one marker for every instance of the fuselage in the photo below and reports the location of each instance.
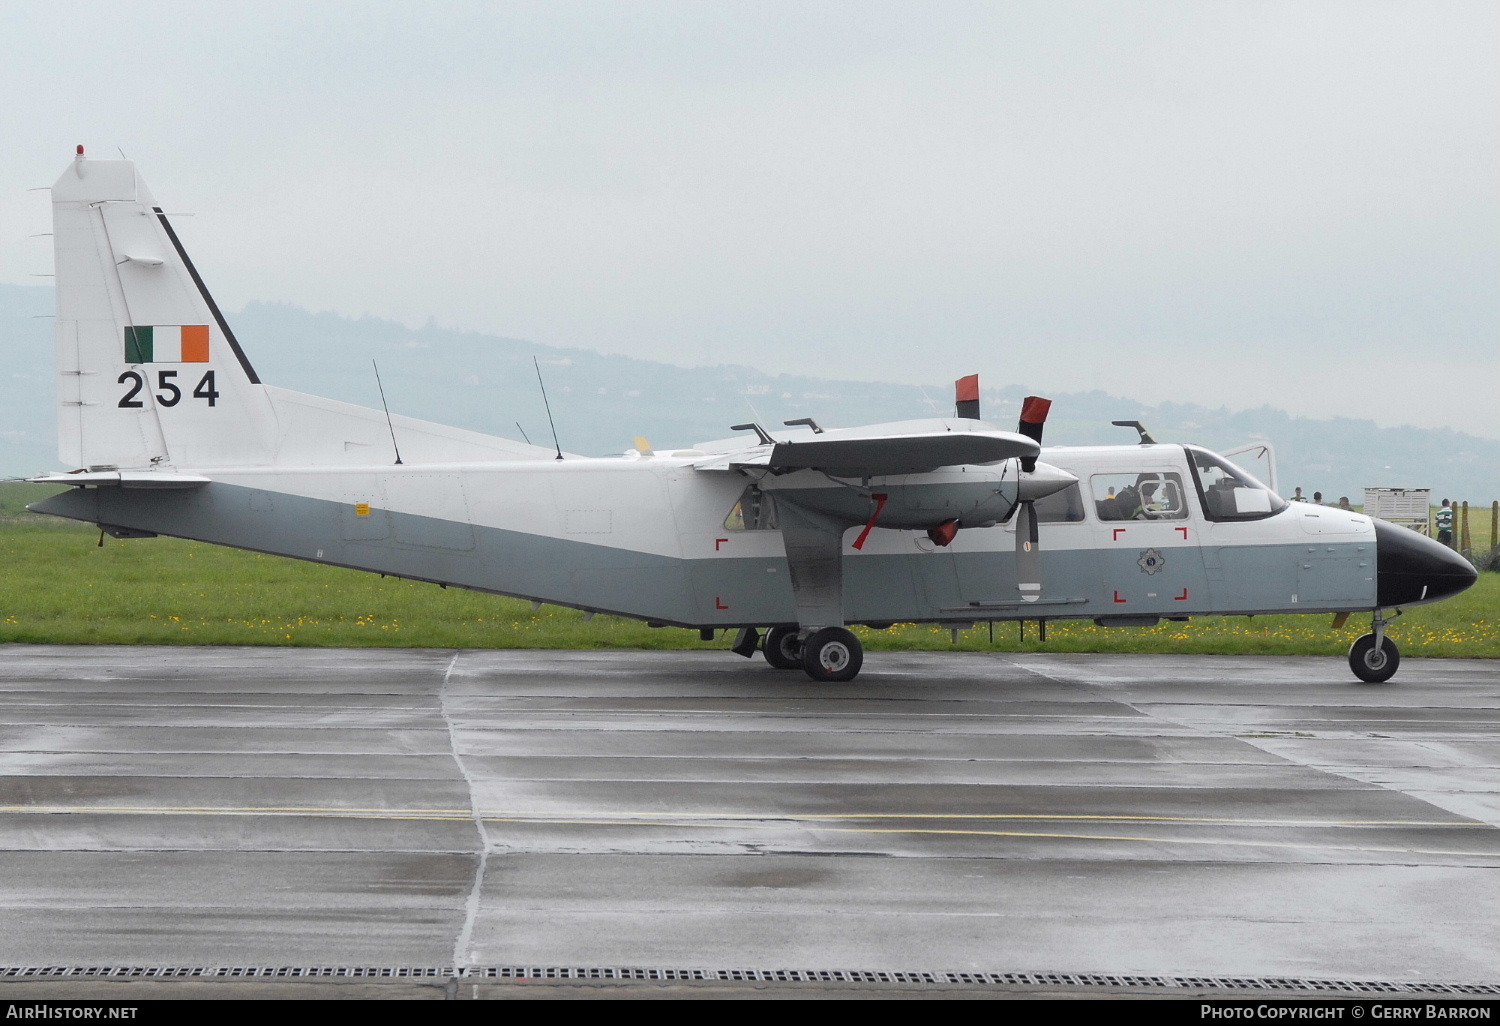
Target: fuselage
(658, 538)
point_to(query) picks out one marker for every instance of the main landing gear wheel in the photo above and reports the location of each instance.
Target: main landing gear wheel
(832, 654)
(783, 650)
(1371, 664)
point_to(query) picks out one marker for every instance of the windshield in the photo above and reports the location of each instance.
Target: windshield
(1228, 492)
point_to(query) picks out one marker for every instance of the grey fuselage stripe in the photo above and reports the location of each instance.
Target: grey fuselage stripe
(941, 586)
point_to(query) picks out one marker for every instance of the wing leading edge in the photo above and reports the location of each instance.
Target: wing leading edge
(883, 455)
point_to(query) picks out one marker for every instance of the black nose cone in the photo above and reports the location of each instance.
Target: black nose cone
(1412, 568)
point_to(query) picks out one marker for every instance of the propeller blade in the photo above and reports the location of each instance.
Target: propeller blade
(1028, 553)
(1034, 411)
(966, 397)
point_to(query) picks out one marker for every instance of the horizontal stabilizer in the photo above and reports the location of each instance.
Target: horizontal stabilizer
(126, 479)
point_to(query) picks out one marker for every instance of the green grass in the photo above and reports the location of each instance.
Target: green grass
(14, 495)
(58, 586)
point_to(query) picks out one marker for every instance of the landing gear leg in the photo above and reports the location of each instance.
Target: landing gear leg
(832, 654)
(1374, 657)
(814, 553)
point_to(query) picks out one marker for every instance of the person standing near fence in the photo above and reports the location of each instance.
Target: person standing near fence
(1445, 523)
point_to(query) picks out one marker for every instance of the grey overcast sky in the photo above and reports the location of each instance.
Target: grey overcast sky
(1228, 203)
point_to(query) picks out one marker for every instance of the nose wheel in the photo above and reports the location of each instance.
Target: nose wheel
(832, 654)
(1374, 659)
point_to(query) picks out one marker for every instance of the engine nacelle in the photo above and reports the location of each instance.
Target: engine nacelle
(975, 496)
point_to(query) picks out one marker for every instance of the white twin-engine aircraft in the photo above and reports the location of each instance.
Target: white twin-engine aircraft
(801, 531)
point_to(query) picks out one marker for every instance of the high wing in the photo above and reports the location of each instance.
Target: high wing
(862, 452)
(899, 454)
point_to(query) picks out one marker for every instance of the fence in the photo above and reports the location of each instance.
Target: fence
(1464, 534)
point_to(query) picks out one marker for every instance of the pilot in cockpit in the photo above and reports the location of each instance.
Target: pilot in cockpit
(1150, 500)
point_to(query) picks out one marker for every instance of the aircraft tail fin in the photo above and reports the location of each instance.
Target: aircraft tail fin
(149, 371)
(151, 375)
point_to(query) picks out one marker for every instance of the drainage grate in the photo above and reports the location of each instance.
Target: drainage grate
(226, 972)
(921, 979)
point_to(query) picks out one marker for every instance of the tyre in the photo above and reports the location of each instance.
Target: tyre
(1374, 665)
(832, 654)
(782, 649)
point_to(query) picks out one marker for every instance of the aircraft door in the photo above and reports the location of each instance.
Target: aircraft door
(1147, 534)
(1249, 564)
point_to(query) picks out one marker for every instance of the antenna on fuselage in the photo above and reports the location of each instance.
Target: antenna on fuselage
(537, 364)
(389, 426)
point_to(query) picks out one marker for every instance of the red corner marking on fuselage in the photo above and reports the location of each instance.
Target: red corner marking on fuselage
(1180, 598)
(1184, 531)
(1119, 599)
(719, 603)
(718, 542)
(1118, 531)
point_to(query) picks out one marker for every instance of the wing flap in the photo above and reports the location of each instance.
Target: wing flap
(734, 461)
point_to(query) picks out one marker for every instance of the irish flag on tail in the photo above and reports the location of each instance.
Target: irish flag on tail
(167, 343)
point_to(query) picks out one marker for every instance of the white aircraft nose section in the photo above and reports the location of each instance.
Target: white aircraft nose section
(1044, 481)
(1331, 520)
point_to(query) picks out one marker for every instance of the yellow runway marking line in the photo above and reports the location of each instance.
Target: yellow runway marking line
(1042, 817)
(813, 821)
(270, 811)
(1374, 849)
(1027, 834)
(668, 818)
(219, 809)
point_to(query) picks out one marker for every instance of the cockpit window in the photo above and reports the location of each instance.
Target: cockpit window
(1228, 492)
(1153, 496)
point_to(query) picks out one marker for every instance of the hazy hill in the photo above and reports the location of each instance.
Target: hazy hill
(601, 403)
